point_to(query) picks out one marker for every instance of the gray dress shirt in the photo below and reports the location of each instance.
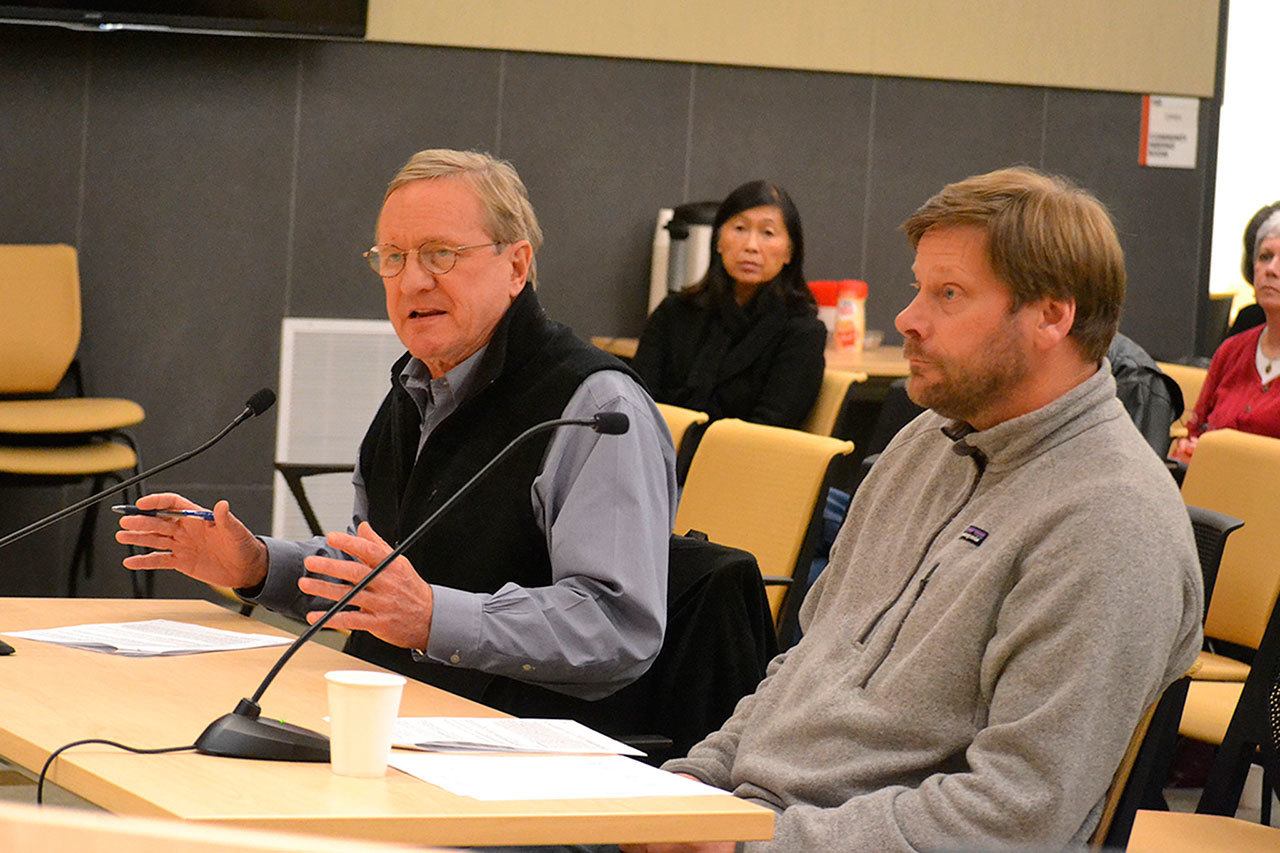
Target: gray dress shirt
(606, 505)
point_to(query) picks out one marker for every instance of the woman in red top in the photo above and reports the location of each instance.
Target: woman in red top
(1240, 391)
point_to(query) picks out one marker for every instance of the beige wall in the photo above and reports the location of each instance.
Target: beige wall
(1158, 46)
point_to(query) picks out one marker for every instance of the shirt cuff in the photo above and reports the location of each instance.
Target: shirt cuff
(280, 584)
(455, 627)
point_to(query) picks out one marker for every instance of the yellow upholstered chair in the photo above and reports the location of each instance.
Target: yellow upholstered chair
(1178, 832)
(826, 410)
(680, 421)
(1237, 474)
(1190, 380)
(761, 488)
(46, 438)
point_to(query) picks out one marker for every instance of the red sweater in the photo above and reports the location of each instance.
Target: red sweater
(1233, 396)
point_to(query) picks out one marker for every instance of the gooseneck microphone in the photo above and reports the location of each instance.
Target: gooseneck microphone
(257, 404)
(244, 734)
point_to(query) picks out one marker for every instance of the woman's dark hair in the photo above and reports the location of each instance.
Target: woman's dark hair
(1251, 237)
(791, 282)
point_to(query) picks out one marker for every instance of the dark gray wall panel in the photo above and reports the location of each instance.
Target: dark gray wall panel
(363, 113)
(185, 225)
(37, 565)
(806, 131)
(1092, 137)
(928, 134)
(41, 107)
(601, 146)
(206, 156)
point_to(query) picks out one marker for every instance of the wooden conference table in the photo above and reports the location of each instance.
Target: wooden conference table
(879, 363)
(51, 695)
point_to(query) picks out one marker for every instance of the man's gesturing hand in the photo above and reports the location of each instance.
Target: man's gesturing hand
(223, 552)
(395, 607)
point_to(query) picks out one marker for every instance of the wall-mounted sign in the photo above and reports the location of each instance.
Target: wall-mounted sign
(1169, 130)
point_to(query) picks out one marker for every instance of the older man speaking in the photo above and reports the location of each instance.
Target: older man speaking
(551, 574)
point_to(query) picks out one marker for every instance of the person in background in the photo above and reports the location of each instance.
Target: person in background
(745, 341)
(1251, 315)
(1240, 391)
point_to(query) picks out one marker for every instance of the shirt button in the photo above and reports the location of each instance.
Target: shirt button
(528, 667)
(455, 658)
(1248, 409)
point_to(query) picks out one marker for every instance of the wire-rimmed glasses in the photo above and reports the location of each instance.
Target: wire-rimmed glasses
(436, 258)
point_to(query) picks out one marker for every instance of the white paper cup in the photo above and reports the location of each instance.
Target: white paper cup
(362, 709)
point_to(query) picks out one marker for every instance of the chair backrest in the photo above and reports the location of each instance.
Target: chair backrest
(826, 409)
(39, 316)
(679, 420)
(757, 488)
(1238, 474)
(1190, 380)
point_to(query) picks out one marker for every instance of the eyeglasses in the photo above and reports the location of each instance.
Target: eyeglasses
(388, 261)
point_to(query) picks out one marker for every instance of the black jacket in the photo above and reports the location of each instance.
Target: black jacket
(1152, 399)
(761, 362)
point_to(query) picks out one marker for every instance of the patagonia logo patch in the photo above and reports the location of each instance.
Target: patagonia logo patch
(974, 535)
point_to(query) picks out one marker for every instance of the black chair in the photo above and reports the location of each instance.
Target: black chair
(1248, 733)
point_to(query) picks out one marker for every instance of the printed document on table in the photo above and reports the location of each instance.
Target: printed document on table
(503, 734)
(150, 638)
(546, 777)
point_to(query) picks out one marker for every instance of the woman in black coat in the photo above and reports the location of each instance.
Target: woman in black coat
(745, 341)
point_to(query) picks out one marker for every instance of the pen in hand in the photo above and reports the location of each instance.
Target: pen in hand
(130, 509)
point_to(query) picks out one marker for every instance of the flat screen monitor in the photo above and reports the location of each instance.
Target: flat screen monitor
(318, 18)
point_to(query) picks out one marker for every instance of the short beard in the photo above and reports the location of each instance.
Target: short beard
(964, 392)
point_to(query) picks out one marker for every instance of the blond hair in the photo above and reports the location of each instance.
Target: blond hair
(1046, 238)
(509, 217)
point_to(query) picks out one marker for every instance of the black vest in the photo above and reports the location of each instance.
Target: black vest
(489, 538)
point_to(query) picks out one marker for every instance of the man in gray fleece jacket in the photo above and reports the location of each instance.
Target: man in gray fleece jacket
(1016, 580)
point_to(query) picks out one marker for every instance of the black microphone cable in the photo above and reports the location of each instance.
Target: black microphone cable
(44, 771)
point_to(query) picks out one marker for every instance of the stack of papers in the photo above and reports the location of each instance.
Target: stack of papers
(573, 762)
(150, 638)
(503, 734)
(546, 777)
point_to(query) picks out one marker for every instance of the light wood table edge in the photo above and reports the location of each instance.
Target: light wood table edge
(53, 829)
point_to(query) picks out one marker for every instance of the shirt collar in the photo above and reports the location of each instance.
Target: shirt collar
(426, 390)
(1015, 441)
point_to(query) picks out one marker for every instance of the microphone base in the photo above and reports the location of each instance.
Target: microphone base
(243, 734)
